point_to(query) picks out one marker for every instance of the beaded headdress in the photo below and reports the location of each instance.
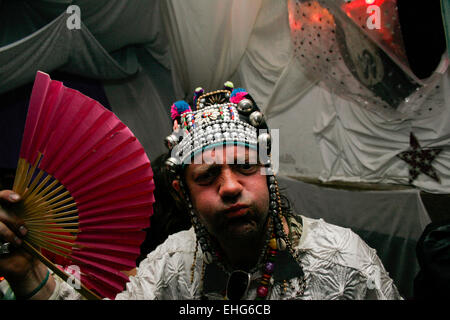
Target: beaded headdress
(223, 117)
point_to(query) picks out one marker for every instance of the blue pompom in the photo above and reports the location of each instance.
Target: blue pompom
(182, 106)
(237, 90)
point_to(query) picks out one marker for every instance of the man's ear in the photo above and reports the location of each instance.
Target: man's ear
(178, 195)
(176, 186)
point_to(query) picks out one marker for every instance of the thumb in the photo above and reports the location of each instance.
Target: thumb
(9, 195)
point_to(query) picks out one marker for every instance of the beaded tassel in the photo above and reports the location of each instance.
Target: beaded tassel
(263, 289)
(282, 235)
(281, 232)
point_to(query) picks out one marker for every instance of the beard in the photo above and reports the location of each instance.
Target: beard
(245, 229)
(240, 238)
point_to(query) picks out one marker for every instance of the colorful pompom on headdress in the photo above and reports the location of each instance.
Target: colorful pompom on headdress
(228, 86)
(197, 93)
(237, 95)
(178, 108)
(218, 120)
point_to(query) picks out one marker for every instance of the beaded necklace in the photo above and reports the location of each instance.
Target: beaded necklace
(266, 260)
(260, 262)
(263, 289)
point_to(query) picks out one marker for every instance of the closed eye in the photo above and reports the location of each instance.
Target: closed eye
(247, 168)
(208, 176)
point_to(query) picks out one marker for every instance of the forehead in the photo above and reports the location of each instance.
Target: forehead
(227, 154)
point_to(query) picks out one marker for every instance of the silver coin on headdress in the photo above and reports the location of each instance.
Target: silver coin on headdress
(171, 164)
(245, 106)
(256, 119)
(171, 141)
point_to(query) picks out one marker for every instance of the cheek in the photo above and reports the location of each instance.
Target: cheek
(260, 193)
(203, 202)
(263, 196)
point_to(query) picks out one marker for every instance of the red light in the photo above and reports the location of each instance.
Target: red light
(315, 17)
(295, 25)
(2, 278)
(361, 4)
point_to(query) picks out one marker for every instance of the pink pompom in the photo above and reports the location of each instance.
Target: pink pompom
(174, 112)
(237, 97)
(178, 108)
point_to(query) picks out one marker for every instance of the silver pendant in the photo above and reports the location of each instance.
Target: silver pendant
(207, 257)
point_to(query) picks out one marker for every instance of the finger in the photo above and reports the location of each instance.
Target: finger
(13, 222)
(9, 195)
(6, 235)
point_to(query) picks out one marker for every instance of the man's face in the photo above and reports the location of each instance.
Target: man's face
(231, 198)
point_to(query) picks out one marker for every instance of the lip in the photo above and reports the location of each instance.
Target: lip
(237, 210)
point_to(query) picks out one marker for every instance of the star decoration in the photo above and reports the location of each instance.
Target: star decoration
(420, 159)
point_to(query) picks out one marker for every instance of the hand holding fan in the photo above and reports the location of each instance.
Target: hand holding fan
(87, 187)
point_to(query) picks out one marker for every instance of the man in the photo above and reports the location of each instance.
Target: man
(245, 243)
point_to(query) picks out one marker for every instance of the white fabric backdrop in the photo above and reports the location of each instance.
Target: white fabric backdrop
(92, 51)
(359, 146)
(205, 43)
(207, 40)
(321, 134)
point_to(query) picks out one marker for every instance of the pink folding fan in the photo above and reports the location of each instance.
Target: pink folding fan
(87, 188)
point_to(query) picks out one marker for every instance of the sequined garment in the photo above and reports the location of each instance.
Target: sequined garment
(337, 264)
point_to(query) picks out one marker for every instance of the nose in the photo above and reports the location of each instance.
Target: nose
(230, 186)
